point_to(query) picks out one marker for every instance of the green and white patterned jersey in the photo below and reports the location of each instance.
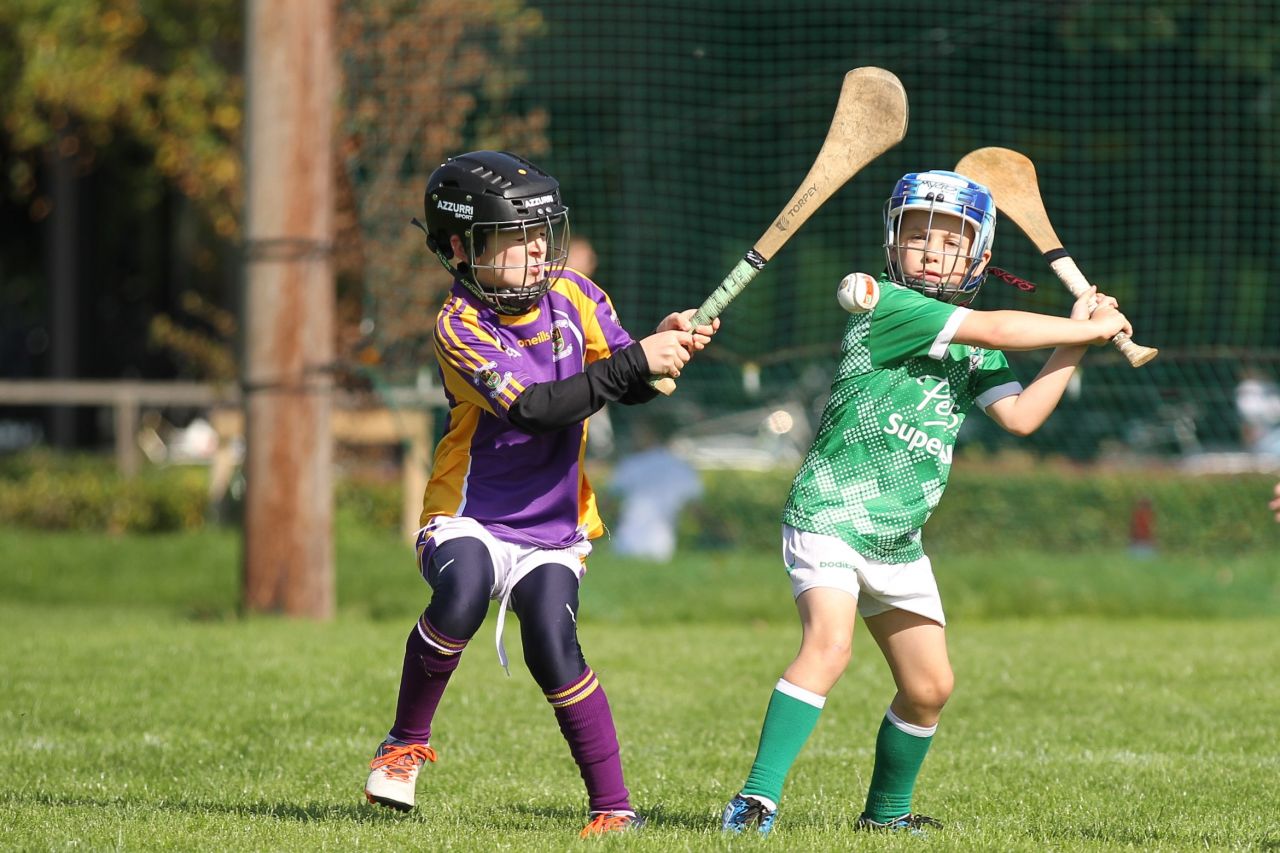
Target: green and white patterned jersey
(880, 461)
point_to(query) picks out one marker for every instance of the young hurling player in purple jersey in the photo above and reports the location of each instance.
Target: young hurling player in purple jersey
(527, 350)
(909, 371)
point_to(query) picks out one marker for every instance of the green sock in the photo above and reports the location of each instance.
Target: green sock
(899, 754)
(793, 712)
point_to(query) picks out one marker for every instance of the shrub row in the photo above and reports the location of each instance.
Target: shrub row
(1034, 507)
(1039, 508)
(50, 491)
(57, 493)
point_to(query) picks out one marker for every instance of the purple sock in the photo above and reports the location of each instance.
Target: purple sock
(587, 724)
(430, 657)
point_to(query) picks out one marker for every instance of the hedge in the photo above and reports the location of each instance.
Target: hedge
(53, 492)
(1031, 507)
(1036, 508)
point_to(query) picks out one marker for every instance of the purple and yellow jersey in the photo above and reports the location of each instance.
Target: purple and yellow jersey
(523, 488)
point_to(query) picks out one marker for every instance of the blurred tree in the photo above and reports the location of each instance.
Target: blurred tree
(76, 73)
(203, 346)
(423, 80)
(81, 79)
(119, 125)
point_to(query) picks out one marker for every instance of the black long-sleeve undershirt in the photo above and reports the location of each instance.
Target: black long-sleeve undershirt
(550, 406)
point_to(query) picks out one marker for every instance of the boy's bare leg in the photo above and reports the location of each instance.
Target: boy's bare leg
(915, 648)
(827, 617)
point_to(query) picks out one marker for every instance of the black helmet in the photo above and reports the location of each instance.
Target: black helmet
(475, 195)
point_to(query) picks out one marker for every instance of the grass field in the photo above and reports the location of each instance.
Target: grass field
(1103, 702)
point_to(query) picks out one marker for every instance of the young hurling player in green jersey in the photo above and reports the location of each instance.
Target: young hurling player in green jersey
(909, 372)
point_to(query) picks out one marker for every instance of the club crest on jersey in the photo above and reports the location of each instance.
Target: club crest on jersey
(486, 376)
(559, 346)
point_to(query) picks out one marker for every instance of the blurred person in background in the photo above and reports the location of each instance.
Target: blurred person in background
(1258, 403)
(654, 485)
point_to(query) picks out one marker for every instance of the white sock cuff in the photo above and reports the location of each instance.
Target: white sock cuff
(806, 696)
(910, 728)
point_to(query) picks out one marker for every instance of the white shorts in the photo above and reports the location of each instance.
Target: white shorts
(511, 560)
(817, 560)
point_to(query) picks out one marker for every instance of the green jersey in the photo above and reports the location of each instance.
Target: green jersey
(880, 461)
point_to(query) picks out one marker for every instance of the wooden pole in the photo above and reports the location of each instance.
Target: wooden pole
(289, 309)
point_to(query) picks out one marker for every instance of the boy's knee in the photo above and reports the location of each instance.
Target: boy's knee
(831, 655)
(930, 694)
(461, 575)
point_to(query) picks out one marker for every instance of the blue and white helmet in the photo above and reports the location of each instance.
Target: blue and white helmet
(939, 191)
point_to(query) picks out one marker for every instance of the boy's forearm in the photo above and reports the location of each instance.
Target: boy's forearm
(1037, 401)
(553, 405)
(1022, 330)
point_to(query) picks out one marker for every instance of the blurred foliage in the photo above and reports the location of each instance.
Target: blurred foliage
(45, 490)
(371, 502)
(1008, 501)
(422, 81)
(673, 152)
(50, 492)
(1028, 508)
(75, 73)
(205, 351)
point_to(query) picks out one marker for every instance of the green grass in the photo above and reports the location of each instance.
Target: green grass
(137, 711)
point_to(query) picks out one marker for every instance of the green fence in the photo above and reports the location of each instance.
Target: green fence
(678, 129)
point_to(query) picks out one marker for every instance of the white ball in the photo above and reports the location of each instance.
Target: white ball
(858, 293)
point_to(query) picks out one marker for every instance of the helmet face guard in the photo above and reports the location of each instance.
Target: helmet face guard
(493, 199)
(942, 193)
(551, 231)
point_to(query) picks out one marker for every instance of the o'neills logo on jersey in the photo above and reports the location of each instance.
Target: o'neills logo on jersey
(462, 211)
(540, 338)
(916, 439)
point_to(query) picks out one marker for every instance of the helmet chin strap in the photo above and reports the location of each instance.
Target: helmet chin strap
(507, 301)
(934, 289)
(939, 291)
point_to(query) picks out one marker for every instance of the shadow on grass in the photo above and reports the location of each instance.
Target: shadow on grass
(655, 816)
(699, 822)
(517, 816)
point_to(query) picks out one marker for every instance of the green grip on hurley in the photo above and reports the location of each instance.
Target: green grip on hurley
(734, 283)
